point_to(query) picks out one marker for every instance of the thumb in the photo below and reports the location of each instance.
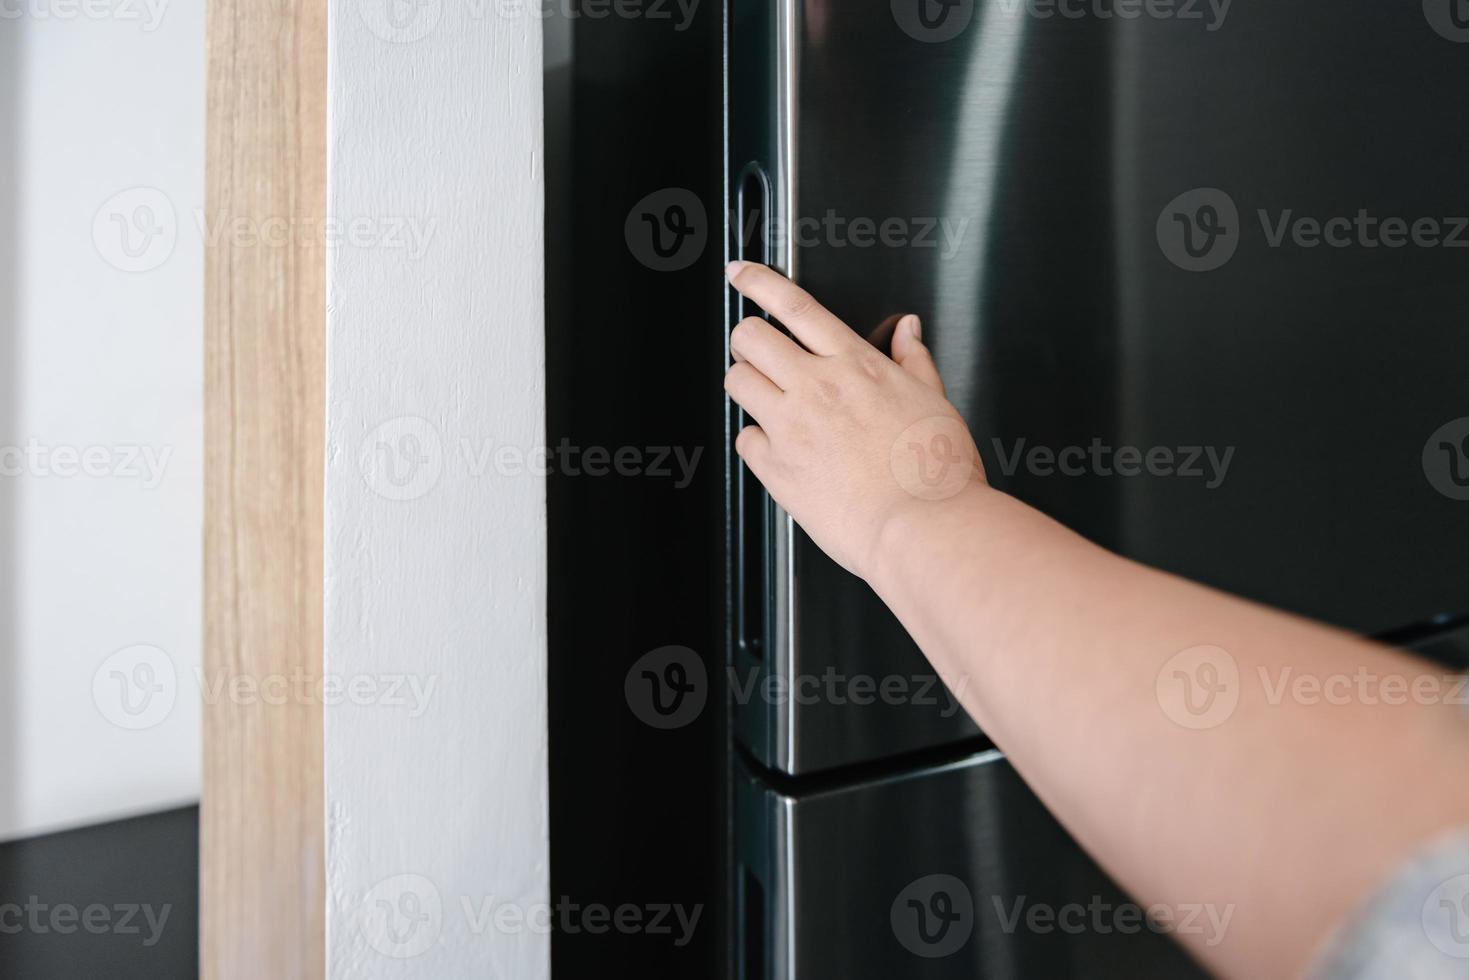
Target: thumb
(909, 352)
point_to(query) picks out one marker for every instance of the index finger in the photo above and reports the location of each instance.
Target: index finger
(813, 324)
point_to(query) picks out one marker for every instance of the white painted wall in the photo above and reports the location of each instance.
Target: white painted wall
(99, 551)
(437, 854)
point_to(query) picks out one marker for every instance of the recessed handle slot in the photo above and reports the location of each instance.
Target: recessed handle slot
(752, 244)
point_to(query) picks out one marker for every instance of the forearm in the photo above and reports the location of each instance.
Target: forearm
(1284, 810)
(1276, 811)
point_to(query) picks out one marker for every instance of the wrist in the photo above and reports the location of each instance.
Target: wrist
(911, 534)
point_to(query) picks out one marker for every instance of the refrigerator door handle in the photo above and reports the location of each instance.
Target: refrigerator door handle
(752, 244)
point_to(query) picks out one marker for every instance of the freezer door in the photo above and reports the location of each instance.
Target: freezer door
(1195, 281)
(955, 871)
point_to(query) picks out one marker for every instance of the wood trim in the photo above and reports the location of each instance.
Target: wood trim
(262, 894)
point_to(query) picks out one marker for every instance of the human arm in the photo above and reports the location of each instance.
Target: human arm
(1281, 809)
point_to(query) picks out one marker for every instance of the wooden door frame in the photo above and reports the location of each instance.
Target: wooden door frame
(262, 880)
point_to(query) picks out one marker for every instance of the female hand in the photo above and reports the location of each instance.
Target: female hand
(847, 439)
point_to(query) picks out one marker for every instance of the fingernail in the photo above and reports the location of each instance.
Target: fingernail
(734, 269)
(914, 326)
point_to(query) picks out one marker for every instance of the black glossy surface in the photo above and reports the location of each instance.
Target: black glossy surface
(634, 361)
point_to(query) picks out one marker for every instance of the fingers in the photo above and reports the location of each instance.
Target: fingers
(775, 355)
(752, 391)
(910, 352)
(813, 324)
(753, 446)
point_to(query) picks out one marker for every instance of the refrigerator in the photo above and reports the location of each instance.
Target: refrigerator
(1195, 276)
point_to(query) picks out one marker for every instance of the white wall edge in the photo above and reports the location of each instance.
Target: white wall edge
(437, 851)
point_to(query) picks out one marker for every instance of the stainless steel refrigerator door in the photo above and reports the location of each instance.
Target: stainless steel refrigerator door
(1101, 222)
(956, 871)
